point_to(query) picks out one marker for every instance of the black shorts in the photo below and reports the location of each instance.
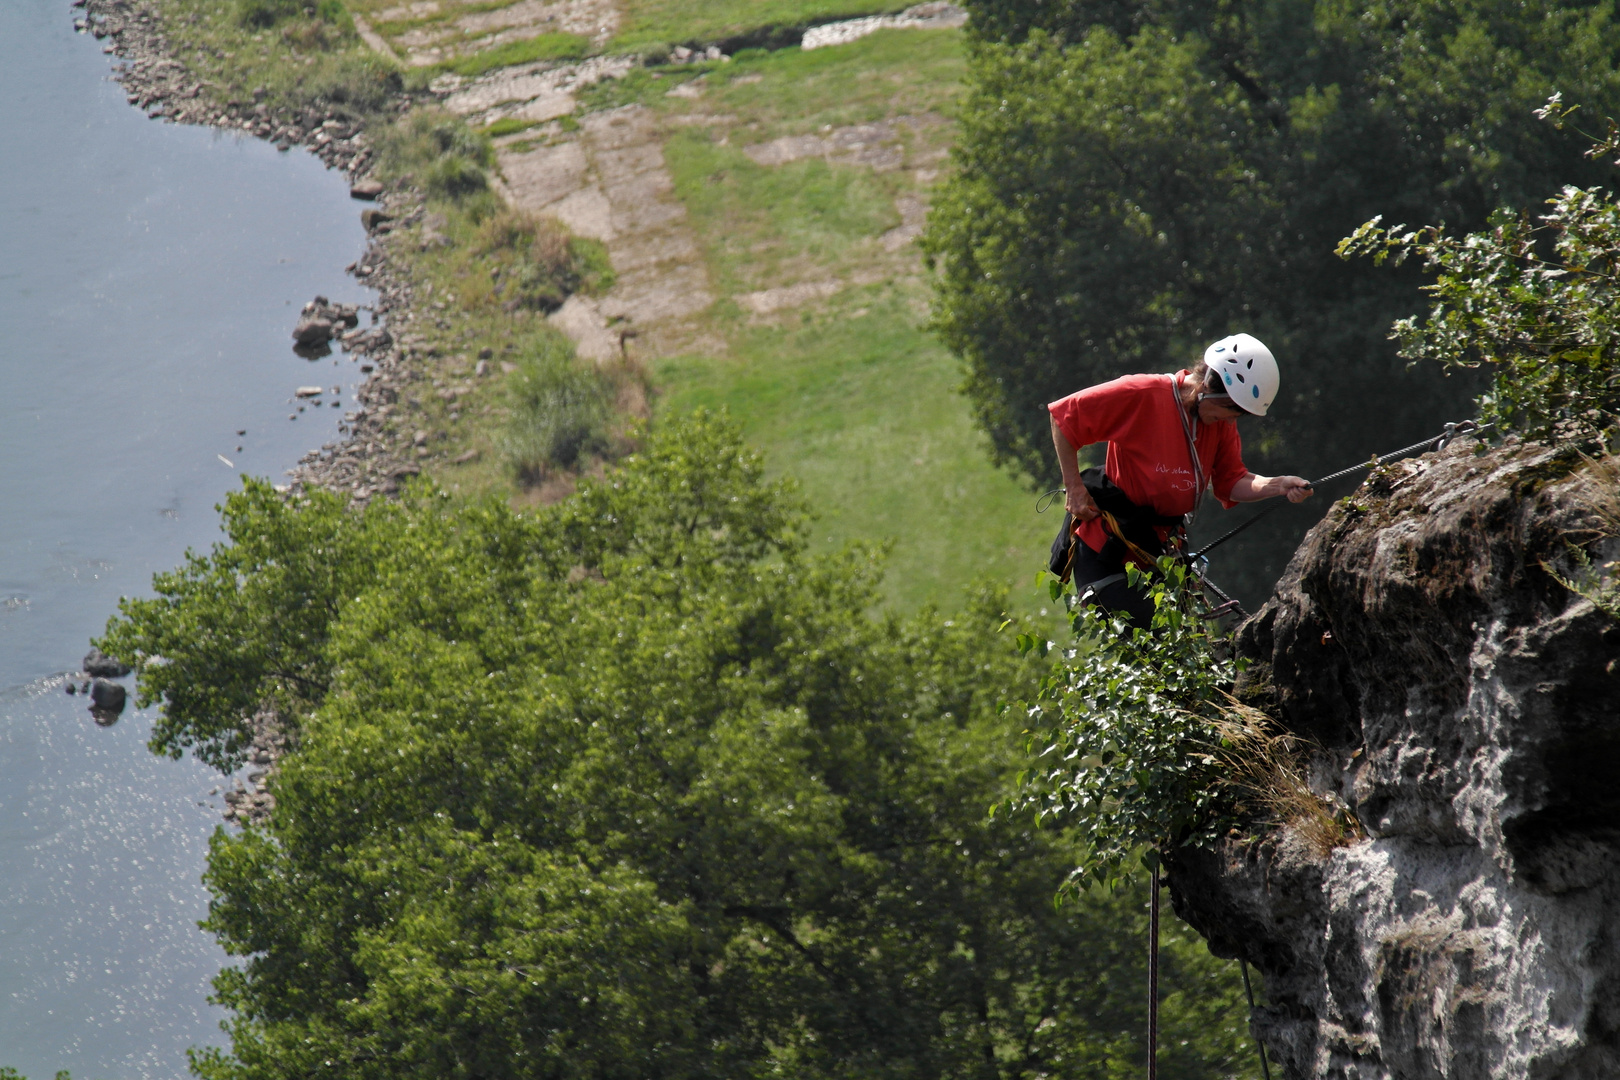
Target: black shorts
(1102, 583)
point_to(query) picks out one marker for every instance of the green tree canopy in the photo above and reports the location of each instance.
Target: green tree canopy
(1532, 299)
(1136, 180)
(633, 787)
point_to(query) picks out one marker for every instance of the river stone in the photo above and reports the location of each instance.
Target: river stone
(366, 189)
(99, 664)
(313, 331)
(370, 218)
(107, 696)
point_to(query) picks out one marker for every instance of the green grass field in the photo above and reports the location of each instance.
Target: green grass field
(849, 394)
(859, 404)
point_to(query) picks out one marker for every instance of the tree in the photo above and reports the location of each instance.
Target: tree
(1134, 181)
(633, 787)
(1530, 299)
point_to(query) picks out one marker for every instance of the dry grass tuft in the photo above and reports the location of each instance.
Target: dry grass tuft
(1267, 767)
(1595, 581)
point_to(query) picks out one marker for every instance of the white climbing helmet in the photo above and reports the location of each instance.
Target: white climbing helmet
(1247, 369)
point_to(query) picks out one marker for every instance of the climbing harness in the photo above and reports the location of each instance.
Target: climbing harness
(1131, 529)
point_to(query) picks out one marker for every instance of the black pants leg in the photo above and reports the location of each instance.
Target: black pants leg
(1115, 596)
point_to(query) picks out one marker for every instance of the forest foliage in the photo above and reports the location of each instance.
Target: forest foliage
(633, 787)
(1136, 180)
(1531, 299)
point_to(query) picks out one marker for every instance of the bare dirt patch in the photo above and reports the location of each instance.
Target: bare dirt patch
(608, 181)
(528, 91)
(767, 301)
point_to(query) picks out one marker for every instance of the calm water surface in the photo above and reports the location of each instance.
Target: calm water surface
(149, 278)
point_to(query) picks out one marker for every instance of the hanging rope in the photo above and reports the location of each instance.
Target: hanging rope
(1153, 979)
(1265, 1069)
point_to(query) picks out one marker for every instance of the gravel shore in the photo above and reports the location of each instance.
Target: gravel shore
(374, 457)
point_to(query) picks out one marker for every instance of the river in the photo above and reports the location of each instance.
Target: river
(150, 275)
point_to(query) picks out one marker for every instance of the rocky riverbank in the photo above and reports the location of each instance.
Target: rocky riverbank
(157, 82)
(373, 458)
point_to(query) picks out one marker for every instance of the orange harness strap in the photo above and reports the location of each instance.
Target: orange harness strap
(1112, 526)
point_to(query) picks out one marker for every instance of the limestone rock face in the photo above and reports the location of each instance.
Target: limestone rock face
(1467, 707)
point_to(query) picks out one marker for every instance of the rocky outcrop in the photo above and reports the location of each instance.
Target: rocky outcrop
(1467, 710)
(108, 696)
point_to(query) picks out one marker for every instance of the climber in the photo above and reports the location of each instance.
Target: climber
(1152, 476)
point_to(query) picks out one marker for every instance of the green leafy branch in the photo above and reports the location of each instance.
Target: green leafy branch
(1532, 298)
(1126, 729)
(1141, 748)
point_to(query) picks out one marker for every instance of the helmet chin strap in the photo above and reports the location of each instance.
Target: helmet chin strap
(1206, 393)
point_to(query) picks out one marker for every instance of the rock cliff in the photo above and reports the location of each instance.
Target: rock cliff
(1465, 707)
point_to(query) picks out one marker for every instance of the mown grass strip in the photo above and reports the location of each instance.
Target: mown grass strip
(510, 125)
(544, 47)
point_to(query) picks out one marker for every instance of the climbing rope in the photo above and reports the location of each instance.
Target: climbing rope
(1260, 1048)
(1153, 979)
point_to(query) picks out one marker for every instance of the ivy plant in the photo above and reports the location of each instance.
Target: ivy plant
(1125, 730)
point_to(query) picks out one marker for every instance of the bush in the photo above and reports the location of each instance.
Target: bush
(1534, 299)
(1140, 748)
(358, 84)
(440, 151)
(534, 262)
(454, 177)
(560, 409)
(264, 14)
(1126, 726)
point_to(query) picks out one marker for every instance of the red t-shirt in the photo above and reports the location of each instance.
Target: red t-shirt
(1147, 448)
